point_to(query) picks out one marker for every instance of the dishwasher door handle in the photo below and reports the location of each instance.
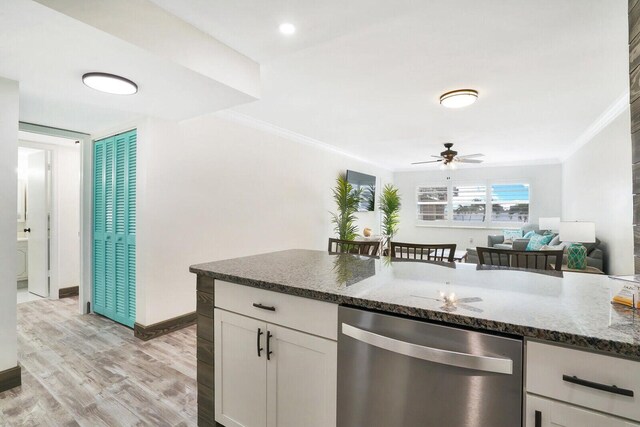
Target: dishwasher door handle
(444, 357)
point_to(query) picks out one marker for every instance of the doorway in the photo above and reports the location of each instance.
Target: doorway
(48, 226)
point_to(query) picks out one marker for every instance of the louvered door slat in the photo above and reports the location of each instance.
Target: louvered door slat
(98, 229)
(131, 155)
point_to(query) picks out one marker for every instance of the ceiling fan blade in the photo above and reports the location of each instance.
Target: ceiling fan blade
(469, 156)
(468, 160)
(437, 157)
(430, 161)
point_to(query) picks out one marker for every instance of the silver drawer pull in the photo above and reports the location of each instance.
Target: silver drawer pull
(436, 355)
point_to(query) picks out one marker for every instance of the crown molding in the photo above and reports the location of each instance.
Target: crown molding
(619, 106)
(267, 127)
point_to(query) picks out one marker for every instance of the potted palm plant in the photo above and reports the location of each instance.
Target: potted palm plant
(390, 204)
(347, 200)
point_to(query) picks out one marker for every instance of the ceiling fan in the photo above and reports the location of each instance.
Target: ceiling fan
(449, 156)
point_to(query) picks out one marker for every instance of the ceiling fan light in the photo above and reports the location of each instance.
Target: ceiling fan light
(110, 83)
(459, 98)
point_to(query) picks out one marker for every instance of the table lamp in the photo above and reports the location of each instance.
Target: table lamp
(577, 233)
(549, 224)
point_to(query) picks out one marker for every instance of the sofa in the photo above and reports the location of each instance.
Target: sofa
(595, 253)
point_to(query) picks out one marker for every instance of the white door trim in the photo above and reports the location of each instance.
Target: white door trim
(86, 203)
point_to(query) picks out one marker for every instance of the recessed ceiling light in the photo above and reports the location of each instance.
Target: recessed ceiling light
(287, 28)
(110, 83)
(459, 98)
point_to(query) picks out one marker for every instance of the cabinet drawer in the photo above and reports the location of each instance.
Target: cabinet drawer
(307, 315)
(584, 379)
(552, 413)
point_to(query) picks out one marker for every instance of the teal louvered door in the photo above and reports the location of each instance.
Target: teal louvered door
(114, 234)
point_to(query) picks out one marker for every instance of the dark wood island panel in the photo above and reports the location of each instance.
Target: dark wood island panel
(205, 300)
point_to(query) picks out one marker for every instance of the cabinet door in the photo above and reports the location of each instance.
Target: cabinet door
(22, 261)
(240, 374)
(301, 379)
(556, 414)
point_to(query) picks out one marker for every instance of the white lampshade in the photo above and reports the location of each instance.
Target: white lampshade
(578, 232)
(552, 223)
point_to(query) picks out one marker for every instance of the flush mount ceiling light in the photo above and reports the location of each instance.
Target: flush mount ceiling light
(459, 98)
(110, 83)
(287, 28)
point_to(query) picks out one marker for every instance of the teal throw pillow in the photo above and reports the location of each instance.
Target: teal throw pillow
(529, 234)
(537, 241)
(511, 235)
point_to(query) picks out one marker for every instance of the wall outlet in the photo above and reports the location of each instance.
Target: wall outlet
(471, 240)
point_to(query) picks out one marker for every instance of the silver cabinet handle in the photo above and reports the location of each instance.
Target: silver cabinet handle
(436, 355)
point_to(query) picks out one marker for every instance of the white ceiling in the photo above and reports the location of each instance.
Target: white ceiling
(48, 52)
(251, 26)
(366, 75)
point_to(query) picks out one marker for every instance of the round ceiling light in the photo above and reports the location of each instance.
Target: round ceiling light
(459, 98)
(110, 83)
(287, 28)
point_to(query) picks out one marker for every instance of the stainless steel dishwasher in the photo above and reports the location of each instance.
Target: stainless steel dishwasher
(397, 372)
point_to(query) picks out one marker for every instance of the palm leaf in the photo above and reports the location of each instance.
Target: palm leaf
(347, 200)
(390, 204)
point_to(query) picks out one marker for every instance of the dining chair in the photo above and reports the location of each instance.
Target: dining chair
(369, 248)
(423, 252)
(532, 260)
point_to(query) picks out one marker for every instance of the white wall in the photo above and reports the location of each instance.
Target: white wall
(211, 189)
(544, 192)
(597, 187)
(8, 196)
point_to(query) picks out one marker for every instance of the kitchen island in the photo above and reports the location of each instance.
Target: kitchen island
(570, 311)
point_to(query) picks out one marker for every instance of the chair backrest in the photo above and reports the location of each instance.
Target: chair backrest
(423, 252)
(361, 247)
(533, 260)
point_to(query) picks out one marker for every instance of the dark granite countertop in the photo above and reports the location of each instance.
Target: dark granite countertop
(574, 309)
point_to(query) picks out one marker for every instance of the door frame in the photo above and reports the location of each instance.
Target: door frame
(86, 204)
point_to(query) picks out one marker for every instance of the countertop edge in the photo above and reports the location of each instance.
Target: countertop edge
(616, 348)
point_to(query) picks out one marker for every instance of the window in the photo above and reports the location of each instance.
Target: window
(469, 203)
(474, 204)
(433, 203)
(510, 203)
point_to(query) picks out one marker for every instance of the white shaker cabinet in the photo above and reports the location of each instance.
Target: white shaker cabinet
(269, 375)
(301, 380)
(240, 374)
(543, 412)
(567, 387)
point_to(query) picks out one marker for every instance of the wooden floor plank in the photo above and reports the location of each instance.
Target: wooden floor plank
(85, 370)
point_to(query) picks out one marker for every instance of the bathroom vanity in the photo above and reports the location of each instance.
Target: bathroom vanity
(23, 259)
(302, 337)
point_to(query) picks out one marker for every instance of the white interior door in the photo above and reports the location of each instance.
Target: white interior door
(37, 224)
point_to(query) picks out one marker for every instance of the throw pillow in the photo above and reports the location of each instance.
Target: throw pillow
(555, 241)
(537, 241)
(529, 234)
(511, 235)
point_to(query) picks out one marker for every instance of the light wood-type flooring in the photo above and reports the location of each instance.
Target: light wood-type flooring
(89, 371)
